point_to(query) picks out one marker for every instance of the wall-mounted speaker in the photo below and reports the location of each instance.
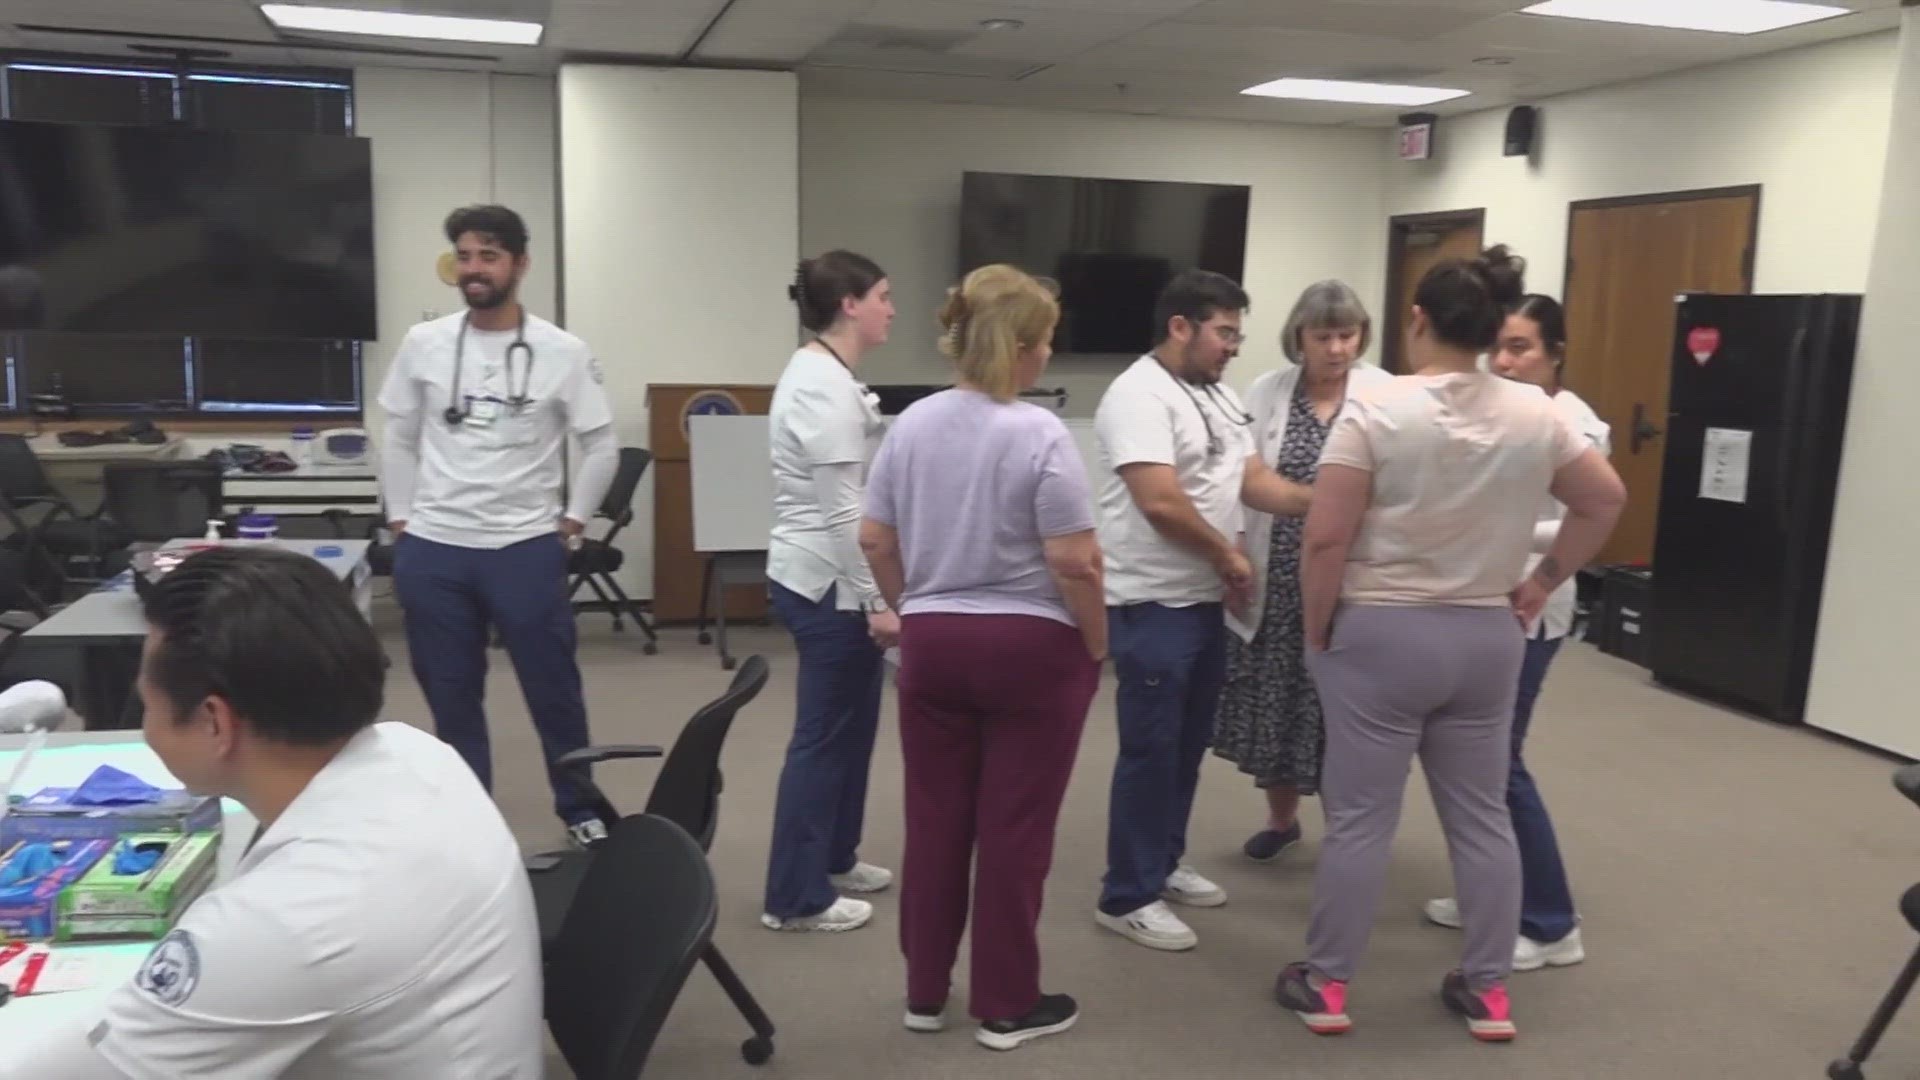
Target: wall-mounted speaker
(1522, 123)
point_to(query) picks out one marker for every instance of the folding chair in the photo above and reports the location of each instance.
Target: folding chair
(596, 560)
(61, 533)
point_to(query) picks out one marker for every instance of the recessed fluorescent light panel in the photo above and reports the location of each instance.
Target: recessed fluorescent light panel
(331, 20)
(1355, 93)
(1717, 16)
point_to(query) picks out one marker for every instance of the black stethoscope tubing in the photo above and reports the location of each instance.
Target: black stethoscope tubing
(457, 412)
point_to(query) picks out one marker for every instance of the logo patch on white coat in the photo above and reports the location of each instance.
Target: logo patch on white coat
(171, 970)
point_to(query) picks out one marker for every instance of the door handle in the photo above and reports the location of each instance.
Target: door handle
(1643, 429)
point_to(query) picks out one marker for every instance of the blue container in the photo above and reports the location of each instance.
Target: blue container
(257, 527)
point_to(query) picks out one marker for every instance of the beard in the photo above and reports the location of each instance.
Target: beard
(490, 297)
(1195, 370)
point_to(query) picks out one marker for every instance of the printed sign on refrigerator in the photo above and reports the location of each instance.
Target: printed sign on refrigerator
(1723, 467)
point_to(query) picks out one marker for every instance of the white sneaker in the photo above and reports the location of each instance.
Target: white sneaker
(926, 1021)
(1155, 926)
(585, 834)
(1444, 912)
(845, 914)
(1186, 886)
(863, 878)
(1531, 955)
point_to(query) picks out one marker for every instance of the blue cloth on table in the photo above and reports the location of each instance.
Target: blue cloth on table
(29, 862)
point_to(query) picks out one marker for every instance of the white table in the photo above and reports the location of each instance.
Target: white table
(100, 634)
(66, 760)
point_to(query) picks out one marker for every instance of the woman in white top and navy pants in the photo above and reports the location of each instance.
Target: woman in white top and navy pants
(823, 427)
(1531, 349)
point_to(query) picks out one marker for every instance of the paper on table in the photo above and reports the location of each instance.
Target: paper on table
(67, 970)
(1723, 465)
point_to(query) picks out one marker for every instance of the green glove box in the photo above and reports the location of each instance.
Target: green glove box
(106, 905)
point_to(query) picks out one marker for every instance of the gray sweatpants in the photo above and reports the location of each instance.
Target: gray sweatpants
(1438, 682)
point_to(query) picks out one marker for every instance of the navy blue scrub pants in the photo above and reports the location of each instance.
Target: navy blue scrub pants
(1171, 663)
(451, 596)
(822, 804)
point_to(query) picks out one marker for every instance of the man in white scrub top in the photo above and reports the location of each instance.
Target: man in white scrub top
(479, 408)
(1178, 463)
(380, 923)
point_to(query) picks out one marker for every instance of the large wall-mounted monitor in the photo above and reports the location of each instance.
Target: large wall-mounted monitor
(1111, 244)
(176, 230)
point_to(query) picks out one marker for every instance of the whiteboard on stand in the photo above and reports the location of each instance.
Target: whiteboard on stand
(733, 479)
(732, 482)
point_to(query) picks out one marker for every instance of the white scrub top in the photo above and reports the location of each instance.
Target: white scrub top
(820, 415)
(496, 479)
(1149, 416)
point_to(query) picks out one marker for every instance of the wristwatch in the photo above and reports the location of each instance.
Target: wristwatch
(875, 606)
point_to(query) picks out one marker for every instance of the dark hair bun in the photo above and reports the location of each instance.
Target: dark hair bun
(1505, 273)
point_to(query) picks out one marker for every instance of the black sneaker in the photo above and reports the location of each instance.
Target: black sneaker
(1268, 844)
(1055, 1014)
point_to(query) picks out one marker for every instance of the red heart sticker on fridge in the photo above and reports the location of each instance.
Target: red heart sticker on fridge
(1703, 342)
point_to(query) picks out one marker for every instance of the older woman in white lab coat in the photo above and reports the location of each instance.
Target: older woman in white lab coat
(1269, 722)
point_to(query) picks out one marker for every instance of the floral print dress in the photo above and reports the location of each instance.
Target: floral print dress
(1269, 720)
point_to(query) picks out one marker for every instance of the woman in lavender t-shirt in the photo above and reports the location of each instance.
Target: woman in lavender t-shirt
(979, 530)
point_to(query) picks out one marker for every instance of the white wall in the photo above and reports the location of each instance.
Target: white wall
(680, 204)
(883, 178)
(1869, 622)
(443, 140)
(1809, 125)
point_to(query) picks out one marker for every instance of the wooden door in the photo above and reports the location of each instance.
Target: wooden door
(1414, 244)
(1627, 261)
(677, 568)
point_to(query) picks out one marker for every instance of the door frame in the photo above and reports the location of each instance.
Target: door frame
(1690, 195)
(1398, 227)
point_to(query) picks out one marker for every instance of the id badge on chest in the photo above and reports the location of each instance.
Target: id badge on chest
(482, 411)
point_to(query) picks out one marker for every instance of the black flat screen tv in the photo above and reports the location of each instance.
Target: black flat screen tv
(1111, 244)
(168, 229)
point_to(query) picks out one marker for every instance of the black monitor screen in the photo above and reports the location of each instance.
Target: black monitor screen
(1111, 244)
(170, 230)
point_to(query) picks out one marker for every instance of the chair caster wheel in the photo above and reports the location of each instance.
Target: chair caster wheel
(706, 638)
(727, 663)
(1844, 1070)
(650, 649)
(756, 1051)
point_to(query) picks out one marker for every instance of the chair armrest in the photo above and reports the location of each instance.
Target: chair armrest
(18, 621)
(594, 755)
(1908, 781)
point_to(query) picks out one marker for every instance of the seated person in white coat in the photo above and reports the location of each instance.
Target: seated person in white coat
(1269, 723)
(379, 923)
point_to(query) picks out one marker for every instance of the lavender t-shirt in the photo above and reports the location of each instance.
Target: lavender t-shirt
(975, 486)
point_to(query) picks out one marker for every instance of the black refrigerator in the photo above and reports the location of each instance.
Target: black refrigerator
(1755, 424)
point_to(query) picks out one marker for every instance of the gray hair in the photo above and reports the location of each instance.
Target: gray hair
(1325, 305)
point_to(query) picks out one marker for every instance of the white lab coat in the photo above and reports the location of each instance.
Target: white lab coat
(1268, 401)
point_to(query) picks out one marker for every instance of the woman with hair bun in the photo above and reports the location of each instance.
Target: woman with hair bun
(1417, 601)
(979, 527)
(821, 428)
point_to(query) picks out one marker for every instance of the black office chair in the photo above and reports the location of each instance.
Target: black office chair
(1907, 780)
(687, 793)
(58, 534)
(596, 560)
(611, 978)
(156, 501)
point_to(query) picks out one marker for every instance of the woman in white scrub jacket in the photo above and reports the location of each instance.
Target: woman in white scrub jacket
(823, 428)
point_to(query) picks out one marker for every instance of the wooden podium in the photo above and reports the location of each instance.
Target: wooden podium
(677, 568)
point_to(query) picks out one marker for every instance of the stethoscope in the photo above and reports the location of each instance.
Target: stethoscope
(457, 411)
(1220, 401)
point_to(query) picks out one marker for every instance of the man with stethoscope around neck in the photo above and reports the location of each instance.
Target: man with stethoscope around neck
(1178, 461)
(480, 406)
